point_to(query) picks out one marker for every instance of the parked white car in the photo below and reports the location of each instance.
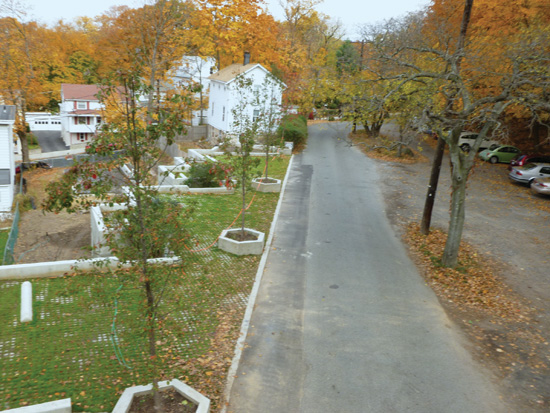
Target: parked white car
(467, 139)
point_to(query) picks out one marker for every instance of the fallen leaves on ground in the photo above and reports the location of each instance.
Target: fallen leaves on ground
(471, 283)
(504, 325)
(372, 147)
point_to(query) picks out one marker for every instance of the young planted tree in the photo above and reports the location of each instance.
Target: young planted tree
(271, 112)
(144, 226)
(244, 129)
(139, 123)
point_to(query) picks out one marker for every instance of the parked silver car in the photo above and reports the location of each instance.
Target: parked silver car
(526, 174)
(541, 186)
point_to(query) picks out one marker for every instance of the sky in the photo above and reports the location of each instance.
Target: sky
(350, 13)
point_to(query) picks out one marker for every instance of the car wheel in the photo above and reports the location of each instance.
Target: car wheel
(465, 147)
(493, 159)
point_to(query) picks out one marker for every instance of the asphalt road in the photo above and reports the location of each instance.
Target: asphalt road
(343, 321)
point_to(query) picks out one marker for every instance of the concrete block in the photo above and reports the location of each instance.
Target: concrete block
(26, 302)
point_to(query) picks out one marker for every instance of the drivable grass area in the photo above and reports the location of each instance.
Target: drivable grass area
(87, 340)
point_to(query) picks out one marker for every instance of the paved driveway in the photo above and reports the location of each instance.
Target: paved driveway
(50, 141)
(343, 321)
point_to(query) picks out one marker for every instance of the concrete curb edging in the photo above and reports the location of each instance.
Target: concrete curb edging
(57, 406)
(49, 269)
(239, 346)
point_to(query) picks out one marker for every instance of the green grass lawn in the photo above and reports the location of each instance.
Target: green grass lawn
(3, 240)
(68, 351)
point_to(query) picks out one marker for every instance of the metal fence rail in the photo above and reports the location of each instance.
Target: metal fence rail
(8, 258)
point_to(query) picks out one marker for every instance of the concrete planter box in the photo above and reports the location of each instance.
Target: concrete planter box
(260, 186)
(254, 247)
(125, 401)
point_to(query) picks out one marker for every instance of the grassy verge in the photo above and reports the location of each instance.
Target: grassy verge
(71, 348)
(3, 240)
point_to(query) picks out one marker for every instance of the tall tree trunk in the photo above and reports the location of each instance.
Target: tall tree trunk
(456, 223)
(22, 135)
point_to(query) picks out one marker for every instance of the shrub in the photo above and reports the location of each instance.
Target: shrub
(32, 141)
(294, 128)
(26, 202)
(206, 175)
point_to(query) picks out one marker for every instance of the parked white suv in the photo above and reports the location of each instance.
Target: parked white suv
(466, 141)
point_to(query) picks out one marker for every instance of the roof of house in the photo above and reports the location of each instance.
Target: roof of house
(227, 74)
(71, 91)
(7, 112)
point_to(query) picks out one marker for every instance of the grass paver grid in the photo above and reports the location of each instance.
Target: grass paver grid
(67, 350)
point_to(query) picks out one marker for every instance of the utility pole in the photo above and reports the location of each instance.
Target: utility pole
(436, 166)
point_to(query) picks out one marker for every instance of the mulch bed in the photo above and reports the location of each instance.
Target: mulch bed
(172, 402)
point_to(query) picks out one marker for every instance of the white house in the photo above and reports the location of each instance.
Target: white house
(7, 161)
(80, 112)
(225, 96)
(196, 70)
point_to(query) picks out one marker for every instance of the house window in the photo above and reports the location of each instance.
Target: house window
(5, 177)
(81, 105)
(213, 108)
(98, 120)
(81, 120)
(223, 114)
(82, 137)
(256, 115)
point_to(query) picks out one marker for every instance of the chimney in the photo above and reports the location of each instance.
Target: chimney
(246, 58)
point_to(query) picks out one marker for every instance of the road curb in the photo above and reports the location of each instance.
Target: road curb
(232, 372)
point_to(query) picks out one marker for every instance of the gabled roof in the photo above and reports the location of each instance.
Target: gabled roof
(71, 91)
(229, 73)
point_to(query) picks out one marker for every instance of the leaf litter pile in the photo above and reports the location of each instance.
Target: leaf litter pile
(503, 325)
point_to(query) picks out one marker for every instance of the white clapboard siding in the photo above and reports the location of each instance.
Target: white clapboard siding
(5, 147)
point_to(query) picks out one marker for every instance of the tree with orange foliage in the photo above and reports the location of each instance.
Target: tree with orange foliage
(472, 80)
(225, 30)
(20, 50)
(311, 43)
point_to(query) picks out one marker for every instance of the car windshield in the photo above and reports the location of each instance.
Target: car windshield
(530, 166)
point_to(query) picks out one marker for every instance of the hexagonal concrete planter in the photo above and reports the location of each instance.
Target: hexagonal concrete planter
(252, 247)
(125, 401)
(260, 186)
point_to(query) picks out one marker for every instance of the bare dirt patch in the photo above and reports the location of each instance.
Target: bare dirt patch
(504, 305)
(49, 236)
